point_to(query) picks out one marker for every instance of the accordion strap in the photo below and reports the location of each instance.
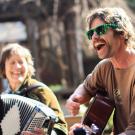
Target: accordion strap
(28, 89)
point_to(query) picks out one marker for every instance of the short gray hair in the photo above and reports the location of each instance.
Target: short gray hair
(15, 48)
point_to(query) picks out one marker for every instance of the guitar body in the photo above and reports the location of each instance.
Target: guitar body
(98, 113)
(96, 116)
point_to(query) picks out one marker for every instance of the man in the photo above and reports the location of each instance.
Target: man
(112, 36)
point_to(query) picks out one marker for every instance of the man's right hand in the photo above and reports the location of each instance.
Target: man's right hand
(73, 106)
(76, 99)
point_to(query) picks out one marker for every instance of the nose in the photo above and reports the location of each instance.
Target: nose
(17, 65)
(95, 36)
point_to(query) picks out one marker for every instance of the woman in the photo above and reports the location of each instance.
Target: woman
(17, 67)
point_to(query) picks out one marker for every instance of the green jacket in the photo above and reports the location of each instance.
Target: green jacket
(45, 95)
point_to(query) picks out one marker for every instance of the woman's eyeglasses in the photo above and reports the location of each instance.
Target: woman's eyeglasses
(100, 30)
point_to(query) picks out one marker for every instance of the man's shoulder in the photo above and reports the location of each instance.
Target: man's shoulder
(104, 66)
(105, 63)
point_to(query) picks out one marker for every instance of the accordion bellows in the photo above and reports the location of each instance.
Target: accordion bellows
(19, 114)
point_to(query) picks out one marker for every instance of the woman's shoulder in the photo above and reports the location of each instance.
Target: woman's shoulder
(33, 81)
(40, 85)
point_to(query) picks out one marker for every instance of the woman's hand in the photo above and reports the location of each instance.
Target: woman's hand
(37, 131)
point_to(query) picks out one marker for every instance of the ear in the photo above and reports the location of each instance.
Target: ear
(122, 37)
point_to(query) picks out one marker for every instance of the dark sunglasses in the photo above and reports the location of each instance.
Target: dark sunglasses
(100, 30)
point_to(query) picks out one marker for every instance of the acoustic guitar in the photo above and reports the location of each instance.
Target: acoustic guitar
(96, 116)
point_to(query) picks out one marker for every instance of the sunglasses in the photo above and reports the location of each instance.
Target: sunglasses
(100, 30)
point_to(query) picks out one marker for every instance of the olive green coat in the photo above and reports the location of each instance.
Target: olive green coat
(45, 95)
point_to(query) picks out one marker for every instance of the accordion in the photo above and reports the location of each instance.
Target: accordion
(20, 113)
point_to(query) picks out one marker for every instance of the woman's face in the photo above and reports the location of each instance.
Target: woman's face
(16, 70)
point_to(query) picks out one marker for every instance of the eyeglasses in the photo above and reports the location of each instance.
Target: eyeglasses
(100, 30)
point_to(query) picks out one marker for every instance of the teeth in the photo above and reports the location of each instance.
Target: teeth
(17, 73)
(98, 44)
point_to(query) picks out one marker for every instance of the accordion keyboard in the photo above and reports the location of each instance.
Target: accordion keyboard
(28, 114)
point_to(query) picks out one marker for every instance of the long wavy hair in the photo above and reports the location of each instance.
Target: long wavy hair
(118, 16)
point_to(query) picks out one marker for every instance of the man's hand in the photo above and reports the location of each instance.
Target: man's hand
(80, 129)
(76, 99)
(73, 106)
(75, 126)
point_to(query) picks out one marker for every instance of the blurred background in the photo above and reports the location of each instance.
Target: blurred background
(54, 31)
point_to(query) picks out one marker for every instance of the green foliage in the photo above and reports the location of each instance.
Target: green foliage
(56, 87)
(108, 128)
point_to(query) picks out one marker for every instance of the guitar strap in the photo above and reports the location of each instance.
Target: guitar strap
(28, 89)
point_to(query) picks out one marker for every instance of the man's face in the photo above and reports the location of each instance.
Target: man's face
(106, 45)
